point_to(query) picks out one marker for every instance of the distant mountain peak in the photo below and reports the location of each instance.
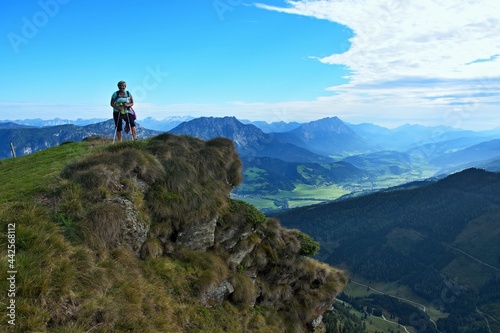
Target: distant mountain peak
(248, 138)
(328, 137)
(209, 127)
(326, 126)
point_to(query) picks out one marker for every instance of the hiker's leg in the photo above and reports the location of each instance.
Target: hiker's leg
(132, 127)
(119, 127)
(116, 116)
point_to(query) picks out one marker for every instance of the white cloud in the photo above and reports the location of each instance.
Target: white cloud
(425, 53)
(426, 61)
(414, 38)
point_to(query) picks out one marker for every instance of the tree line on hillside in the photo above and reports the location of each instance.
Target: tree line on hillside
(341, 320)
(407, 236)
(397, 311)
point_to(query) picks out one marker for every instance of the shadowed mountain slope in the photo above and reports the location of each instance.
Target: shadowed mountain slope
(434, 239)
(27, 140)
(248, 139)
(477, 153)
(328, 137)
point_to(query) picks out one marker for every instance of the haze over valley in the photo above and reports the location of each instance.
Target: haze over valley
(295, 164)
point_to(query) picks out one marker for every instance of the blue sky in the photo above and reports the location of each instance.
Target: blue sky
(388, 62)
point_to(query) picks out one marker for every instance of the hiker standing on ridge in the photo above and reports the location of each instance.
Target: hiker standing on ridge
(122, 102)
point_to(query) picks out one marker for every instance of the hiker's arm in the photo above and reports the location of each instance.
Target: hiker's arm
(131, 102)
(112, 103)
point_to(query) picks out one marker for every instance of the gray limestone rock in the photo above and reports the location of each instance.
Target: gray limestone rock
(217, 294)
(133, 232)
(198, 235)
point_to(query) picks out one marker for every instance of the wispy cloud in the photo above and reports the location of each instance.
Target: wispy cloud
(415, 53)
(492, 58)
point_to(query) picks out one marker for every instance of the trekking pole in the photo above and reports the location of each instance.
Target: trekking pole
(116, 126)
(12, 150)
(129, 126)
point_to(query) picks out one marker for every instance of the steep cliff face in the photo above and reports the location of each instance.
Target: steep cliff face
(167, 200)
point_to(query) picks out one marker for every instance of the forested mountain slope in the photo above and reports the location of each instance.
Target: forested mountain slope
(435, 239)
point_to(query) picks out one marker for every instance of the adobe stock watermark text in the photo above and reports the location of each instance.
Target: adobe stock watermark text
(31, 24)
(11, 274)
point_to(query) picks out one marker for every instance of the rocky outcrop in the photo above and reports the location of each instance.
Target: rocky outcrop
(132, 231)
(218, 294)
(169, 198)
(198, 235)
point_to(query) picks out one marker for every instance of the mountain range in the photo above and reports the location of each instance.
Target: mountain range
(248, 139)
(372, 157)
(54, 122)
(29, 139)
(328, 137)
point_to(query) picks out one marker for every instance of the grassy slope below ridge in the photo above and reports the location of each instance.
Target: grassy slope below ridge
(65, 285)
(26, 176)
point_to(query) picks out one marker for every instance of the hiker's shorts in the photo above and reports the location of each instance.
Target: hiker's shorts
(119, 118)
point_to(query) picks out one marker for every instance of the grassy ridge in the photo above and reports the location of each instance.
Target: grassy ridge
(72, 277)
(25, 176)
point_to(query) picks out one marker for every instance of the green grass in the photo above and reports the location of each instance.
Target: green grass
(304, 194)
(25, 176)
(377, 324)
(480, 241)
(473, 277)
(403, 240)
(304, 171)
(393, 289)
(261, 203)
(299, 203)
(304, 191)
(310, 194)
(254, 173)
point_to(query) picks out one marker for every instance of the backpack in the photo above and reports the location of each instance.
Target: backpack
(127, 94)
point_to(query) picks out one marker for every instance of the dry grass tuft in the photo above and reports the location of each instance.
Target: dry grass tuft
(103, 225)
(152, 248)
(245, 292)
